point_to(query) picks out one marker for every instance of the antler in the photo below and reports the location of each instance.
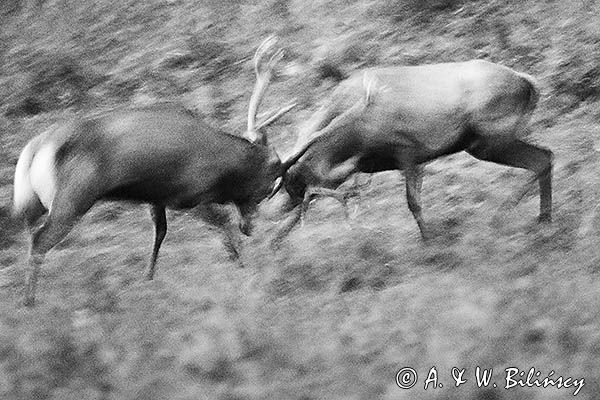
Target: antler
(336, 123)
(275, 116)
(339, 121)
(264, 73)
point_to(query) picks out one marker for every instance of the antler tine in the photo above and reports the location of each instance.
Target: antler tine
(275, 58)
(263, 76)
(261, 50)
(336, 123)
(276, 115)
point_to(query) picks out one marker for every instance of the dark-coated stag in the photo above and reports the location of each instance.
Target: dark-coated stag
(162, 155)
(397, 118)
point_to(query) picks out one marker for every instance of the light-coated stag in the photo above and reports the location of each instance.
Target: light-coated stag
(397, 118)
(162, 155)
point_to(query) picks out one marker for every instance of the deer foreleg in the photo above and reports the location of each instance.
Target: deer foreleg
(356, 188)
(341, 196)
(247, 212)
(332, 177)
(220, 219)
(160, 223)
(287, 226)
(413, 175)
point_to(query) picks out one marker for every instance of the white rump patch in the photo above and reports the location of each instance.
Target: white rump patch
(42, 174)
(22, 191)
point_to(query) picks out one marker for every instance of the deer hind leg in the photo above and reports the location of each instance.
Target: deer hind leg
(33, 214)
(32, 217)
(160, 225)
(68, 207)
(46, 237)
(527, 156)
(76, 193)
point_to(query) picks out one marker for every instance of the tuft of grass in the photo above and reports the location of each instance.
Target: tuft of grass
(54, 81)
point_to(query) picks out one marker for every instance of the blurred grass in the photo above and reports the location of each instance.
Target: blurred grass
(341, 307)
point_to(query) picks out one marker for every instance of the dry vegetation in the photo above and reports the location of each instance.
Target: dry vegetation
(341, 307)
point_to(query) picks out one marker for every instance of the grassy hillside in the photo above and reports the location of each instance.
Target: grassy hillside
(342, 306)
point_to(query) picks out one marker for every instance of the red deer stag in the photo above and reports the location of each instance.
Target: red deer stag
(392, 118)
(162, 155)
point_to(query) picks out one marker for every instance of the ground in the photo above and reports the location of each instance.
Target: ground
(343, 305)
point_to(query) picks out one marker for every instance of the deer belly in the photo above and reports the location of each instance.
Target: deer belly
(377, 162)
(144, 192)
